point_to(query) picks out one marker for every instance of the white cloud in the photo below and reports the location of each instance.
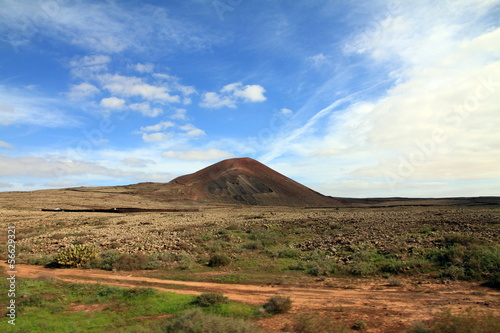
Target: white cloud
(251, 93)
(6, 185)
(179, 114)
(146, 109)
(192, 131)
(49, 167)
(130, 86)
(112, 103)
(230, 94)
(82, 90)
(158, 127)
(432, 133)
(104, 27)
(62, 184)
(202, 155)
(4, 144)
(286, 111)
(137, 162)
(318, 60)
(88, 66)
(62, 171)
(26, 107)
(154, 137)
(214, 101)
(144, 68)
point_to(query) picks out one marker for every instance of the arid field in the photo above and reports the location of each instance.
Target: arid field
(375, 266)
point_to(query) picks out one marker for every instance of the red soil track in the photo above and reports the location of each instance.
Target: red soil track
(384, 308)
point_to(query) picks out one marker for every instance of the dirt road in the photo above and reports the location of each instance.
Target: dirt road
(384, 308)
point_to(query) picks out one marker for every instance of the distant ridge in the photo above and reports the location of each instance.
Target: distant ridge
(245, 180)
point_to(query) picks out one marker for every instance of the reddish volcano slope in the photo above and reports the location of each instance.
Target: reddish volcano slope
(248, 181)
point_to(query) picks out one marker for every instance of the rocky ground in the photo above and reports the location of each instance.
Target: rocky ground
(331, 230)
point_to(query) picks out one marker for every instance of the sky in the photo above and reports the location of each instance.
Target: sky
(351, 98)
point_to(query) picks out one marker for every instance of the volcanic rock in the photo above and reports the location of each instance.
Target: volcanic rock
(244, 180)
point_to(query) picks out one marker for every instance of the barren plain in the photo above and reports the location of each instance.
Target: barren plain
(387, 264)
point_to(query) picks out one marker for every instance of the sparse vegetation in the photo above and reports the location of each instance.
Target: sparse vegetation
(196, 321)
(468, 322)
(218, 260)
(314, 323)
(421, 249)
(76, 255)
(278, 304)
(210, 299)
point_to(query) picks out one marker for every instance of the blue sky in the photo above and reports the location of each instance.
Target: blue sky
(352, 98)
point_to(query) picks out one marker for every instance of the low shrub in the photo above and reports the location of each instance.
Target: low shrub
(209, 299)
(196, 321)
(109, 290)
(469, 322)
(218, 260)
(40, 259)
(288, 252)
(278, 304)
(460, 238)
(135, 292)
(394, 282)
(76, 255)
(359, 325)
(105, 260)
(493, 280)
(314, 323)
(130, 262)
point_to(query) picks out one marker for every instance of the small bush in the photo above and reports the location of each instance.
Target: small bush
(493, 280)
(419, 328)
(394, 282)
(253, 245)
(76, 255)
(109, 290)
(323, 268)
(393, 266)
(287, 252)
(209, 299)
(40, 259)
(361, 268)
(458, 238)
(32, 300)
(311, 323)
(135, 292)
(131, 262)
(454, 273)
(278, 304)
(469, 322)
(105, 260)
(359, 325)
(184, 261)
(218, 260)
(196, 321)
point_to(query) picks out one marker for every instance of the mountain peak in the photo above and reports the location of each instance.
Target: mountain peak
(245, 180)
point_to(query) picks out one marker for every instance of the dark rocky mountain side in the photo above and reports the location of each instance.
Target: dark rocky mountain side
(244, 180)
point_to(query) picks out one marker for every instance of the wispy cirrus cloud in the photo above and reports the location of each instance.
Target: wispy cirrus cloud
(100, 27)
(433, 126)
(25, 107)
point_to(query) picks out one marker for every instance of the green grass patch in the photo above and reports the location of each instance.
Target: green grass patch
(57, 306)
